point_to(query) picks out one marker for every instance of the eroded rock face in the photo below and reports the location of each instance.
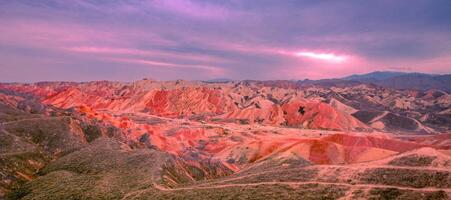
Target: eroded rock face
(253, 105)
(257, 103)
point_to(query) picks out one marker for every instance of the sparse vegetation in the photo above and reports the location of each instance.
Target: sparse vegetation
(413, 160)
(307, 192)
(91, 132)
(394, 193)
(301, 110)
(407, 177)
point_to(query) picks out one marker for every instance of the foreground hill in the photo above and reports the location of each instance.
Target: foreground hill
(107, 169)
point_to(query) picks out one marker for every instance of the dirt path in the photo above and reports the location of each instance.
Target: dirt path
(326, 166)
(13, 153)
(28, 119)
(379, 117)
(133, 194)
(301, 183)
(364, 166)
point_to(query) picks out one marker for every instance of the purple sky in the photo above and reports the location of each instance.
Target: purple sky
(81, 40)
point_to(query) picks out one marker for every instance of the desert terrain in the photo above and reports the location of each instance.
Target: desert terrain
(223, 140)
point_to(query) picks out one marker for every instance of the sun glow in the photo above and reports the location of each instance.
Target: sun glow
(322, 56)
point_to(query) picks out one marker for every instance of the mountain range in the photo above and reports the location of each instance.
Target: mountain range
(399, 80)
(389, 79)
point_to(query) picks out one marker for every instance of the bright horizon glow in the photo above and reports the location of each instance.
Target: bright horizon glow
(322, 56)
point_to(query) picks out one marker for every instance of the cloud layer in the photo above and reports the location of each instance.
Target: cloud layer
(85, 40)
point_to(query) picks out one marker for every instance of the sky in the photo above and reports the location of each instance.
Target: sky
(83, 40)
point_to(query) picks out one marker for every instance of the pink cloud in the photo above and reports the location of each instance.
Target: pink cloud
(252, 48)
(212, 69)
(60, 34)
(41, 34)
(107, 50)
(138, 52)
(439, 64)
(192, 9)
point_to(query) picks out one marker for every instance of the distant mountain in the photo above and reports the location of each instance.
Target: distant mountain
(380, 75)
(418, 82)
(401, 80)
(219, 80)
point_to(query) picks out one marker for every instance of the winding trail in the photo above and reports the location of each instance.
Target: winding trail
(352, 186)
(355, 167)
(30, 119)
(298, 184)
